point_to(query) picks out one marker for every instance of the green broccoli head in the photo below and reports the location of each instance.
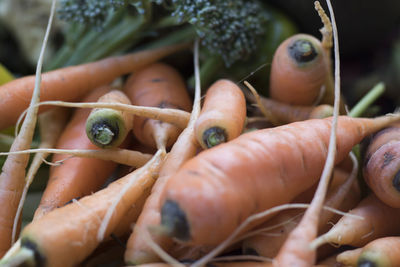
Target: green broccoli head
(230, 28)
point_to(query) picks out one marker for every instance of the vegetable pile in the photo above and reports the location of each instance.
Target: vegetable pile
(144, 141)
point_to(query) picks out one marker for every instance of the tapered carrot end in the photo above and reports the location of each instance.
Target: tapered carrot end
(174, 220)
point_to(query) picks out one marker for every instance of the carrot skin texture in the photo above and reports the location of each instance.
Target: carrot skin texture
(381, 252)
(157, 85)
(381, 168)
(379, 220)
(288, 160)
(66, 236)
(75, 177)
(71, 83)
(224, 108)
(298, 83)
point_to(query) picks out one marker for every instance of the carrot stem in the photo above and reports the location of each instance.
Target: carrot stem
(367, 100)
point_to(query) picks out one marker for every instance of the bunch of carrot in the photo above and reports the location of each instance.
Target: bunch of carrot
(202, 183)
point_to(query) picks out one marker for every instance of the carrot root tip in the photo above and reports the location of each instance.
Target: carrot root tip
(302, 51)
(174, 220)
(214, 136)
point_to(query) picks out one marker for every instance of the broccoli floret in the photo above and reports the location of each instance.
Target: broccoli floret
(230, 28)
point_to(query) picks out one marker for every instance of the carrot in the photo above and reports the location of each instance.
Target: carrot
(349, 257)
(108, 127)
(66, 236)
(378, 220)
(299, 70)
(12, 177)
(268, 243)
(382, 165)
(75, 177)
(253, 172)
(51, 124)
(157, 85)
(285, 113)
(223, 114)
(71, 83)
(381, 252)
(138, 251)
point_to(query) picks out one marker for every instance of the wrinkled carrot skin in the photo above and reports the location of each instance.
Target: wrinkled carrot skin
(157, 85)
(66, 236)
(268, 245)
(254, 172)
(224, 108)
(298, 84)
(381, 168)
(75, 177)
(379, 220)
(381, 252)
(71, 83)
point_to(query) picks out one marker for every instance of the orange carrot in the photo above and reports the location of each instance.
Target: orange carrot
(138, 251)
(71, 83)
(382, 165)
(253, 172)
(66, 236)
(157, 85)
(12, 177)
(268, 243)
(299, 70)
(349, 257)
(381, 252)
(223, 114)
(108, 128)
(376, 220)
(75, 177)
(51, 124)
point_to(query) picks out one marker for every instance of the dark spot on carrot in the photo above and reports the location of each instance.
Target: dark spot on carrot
(31, 245)
(214, 136)
(104, 133)
(250, 251)
(302, 51)
(366, 263)
(192, 172)
(396, 181)
(157, 80)
(387, 158)
(173, 218)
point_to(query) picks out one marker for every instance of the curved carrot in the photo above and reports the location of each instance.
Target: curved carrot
(71, 83)
(253, 172)
(376, 220)
(185, 147)
(299, 70)
(382, 165)
(75, 177)
(157, 85)
(223, 114)
(108, 127)
(381, 252)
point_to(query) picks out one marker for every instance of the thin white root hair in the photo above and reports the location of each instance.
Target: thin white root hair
(110, 211)
(177, 117)
(263, 110)
(118, 155)
(233, 237)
